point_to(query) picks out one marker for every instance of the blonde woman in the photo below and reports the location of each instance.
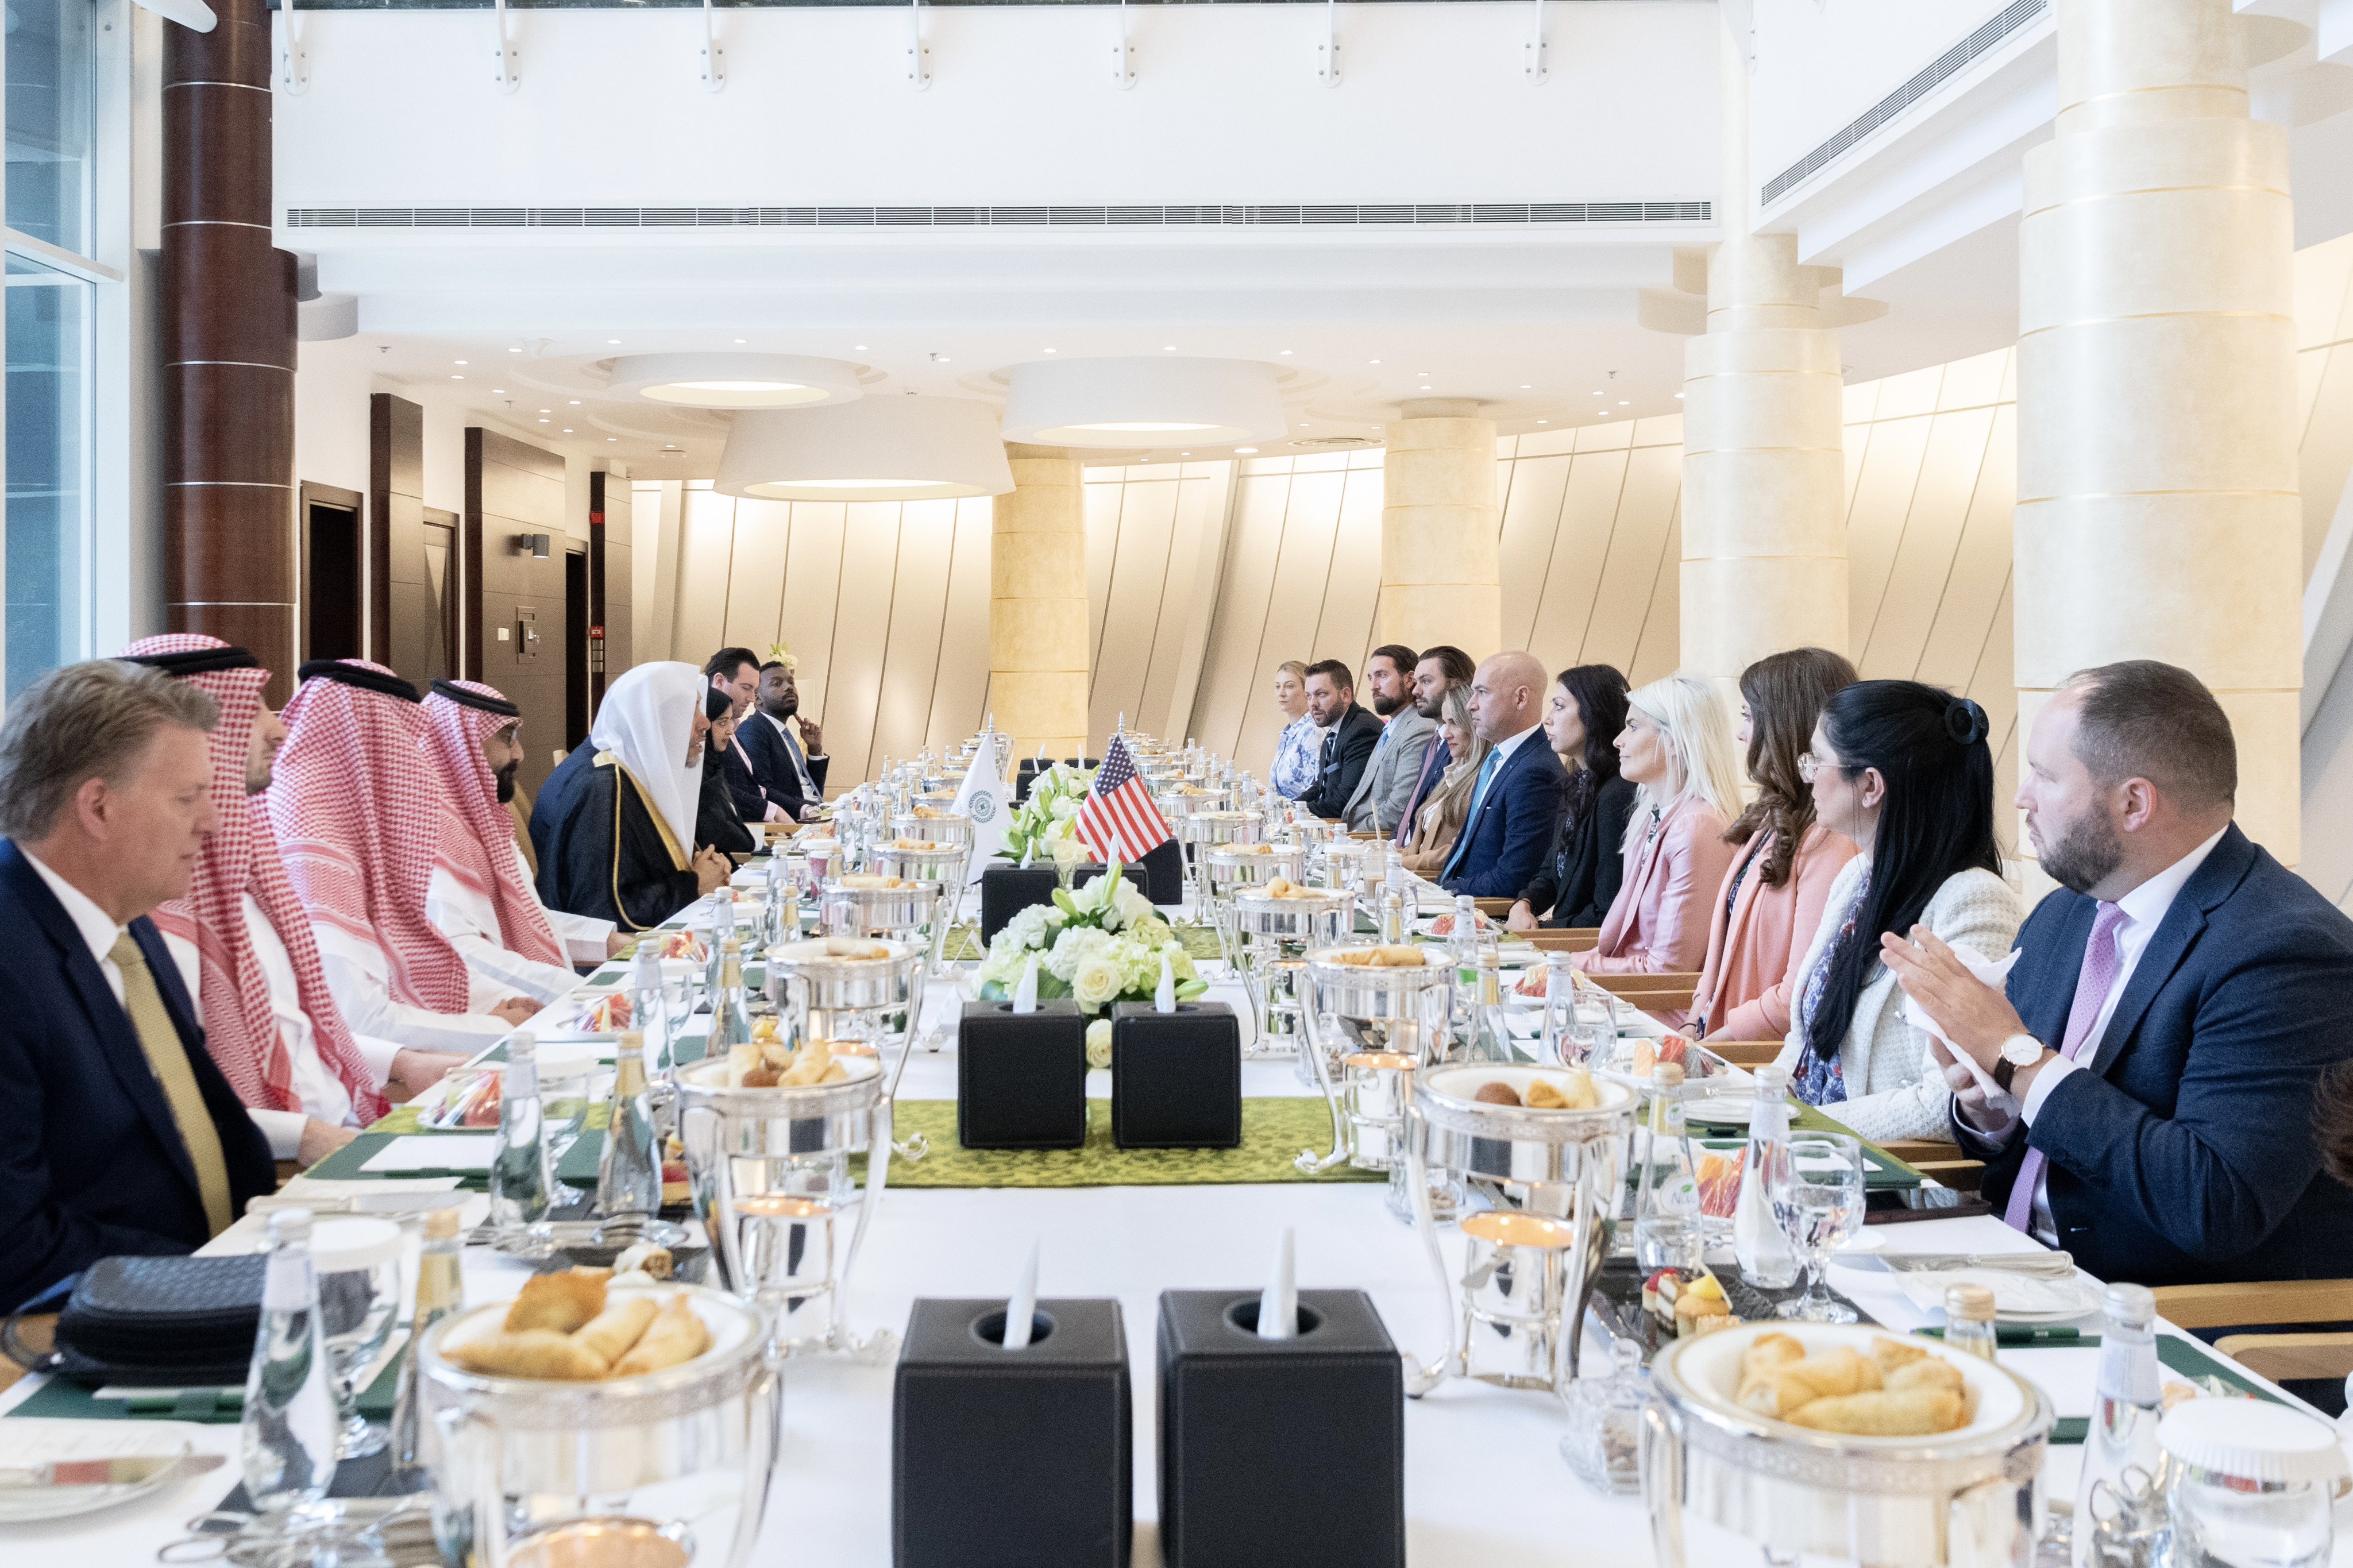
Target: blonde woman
(1442, 815)
(1299, 747)
(1677, 749)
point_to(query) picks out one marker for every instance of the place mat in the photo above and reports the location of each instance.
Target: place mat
(1274, 1133)
(67, 1400)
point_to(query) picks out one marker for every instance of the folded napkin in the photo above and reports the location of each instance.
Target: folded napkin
(1994, 972)
(2014, 1294)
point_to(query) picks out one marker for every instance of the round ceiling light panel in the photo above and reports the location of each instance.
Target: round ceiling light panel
(1142, 401)
(878, 449)
(734, 380)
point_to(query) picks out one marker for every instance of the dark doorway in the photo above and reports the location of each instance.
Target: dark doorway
(576, 645)
(440, 662)
(331, 602)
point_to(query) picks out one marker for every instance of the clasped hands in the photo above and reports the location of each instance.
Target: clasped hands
(1976, 1016)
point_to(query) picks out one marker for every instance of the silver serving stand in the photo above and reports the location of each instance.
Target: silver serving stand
(519, 1466)
(820, 993)
(1517, 1308)
(942, 862)
(1259, 934)
(1203, 832)
(770, 1170)
(1353, 1007)
(1969, 1499)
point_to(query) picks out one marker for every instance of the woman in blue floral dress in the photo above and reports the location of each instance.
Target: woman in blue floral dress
(1297, 750)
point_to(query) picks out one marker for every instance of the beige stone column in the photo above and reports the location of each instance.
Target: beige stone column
(2157, 408)
(1764, 493)
(1038, 605)
(1441, 568)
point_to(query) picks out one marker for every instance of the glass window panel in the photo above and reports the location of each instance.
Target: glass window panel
(47, 440)
(48, 107)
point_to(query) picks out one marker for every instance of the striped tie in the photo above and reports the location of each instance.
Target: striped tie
(169, 1058)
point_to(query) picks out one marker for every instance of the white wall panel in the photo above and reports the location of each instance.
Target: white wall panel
(862, 633)
(960, 686)
(755, 585)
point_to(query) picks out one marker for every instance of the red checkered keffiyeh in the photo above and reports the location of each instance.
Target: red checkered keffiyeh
(477, 845)
(357, 806)
(240, 1025)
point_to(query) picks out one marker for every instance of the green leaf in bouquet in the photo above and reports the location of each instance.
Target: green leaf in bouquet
(1188, 989)
(1064, 902)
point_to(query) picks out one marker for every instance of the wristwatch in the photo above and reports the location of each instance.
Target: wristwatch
(2018, 1051)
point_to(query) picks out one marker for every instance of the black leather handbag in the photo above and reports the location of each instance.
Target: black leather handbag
(154, 1322)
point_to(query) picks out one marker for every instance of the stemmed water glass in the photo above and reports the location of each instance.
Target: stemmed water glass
(1816, 1190)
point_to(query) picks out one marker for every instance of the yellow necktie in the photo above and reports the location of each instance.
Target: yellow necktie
(169, 1058)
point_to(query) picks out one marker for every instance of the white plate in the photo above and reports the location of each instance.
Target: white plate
(36, 1440)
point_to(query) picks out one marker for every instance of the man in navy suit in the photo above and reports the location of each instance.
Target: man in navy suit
(1516, 803)
(120, 1135)
(791, 778)
(2143, 1094)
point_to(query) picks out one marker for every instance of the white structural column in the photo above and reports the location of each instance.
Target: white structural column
(1763, 513)
(1441, 565)
(1038, 605)
(2157, 410)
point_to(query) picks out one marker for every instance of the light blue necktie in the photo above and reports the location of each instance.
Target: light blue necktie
(1477, 799)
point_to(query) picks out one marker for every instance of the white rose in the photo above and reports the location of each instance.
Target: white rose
(1097, 979)
(1099, 1043)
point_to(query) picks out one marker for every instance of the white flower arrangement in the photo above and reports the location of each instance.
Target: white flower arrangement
(1040, 827)
(1101, 943)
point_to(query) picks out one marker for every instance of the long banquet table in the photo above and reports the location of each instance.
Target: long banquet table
(1485, 1486)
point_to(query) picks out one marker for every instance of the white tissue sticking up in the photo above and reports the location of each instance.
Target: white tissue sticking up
(1164, 998)
(1025, 993)
(1278, 1307)
(1020, 1310)
(1028, 850)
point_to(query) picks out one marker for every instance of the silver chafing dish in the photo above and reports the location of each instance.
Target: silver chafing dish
(1266, 938)
(1562, 1166)
(1354, 1004)
(770, 1171)
(827, 988)
(944, 827)
(1203, 830)
(1969, 1499)
(685, 1453)
(849, 907)
(940, 862)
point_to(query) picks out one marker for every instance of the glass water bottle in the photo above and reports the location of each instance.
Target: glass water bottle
(1766, 1259)
(519, 1174)
(287, 1436)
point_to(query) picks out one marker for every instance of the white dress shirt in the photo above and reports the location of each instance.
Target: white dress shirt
(97, 927)
(316, 1084)
(2144, 909)
(810, 794)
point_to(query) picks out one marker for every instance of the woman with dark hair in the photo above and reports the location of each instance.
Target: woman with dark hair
(1903, 769)
(716, 825)
(1771, 902)
(1576, 885)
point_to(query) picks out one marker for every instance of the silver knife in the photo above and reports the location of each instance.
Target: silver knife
(118, 1470)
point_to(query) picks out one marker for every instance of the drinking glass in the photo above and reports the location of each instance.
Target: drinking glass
(359, 1296)
(1816, 1190)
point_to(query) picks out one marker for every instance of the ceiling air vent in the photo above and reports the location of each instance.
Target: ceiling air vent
(1426, 214)
(1333, 443)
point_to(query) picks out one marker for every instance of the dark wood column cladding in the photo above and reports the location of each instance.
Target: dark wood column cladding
(228, 343)
(515, 600)
(610, 578)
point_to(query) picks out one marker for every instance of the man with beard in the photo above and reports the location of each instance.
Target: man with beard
(791, 773)
(2143, 1093)
(1434, 672)
(1395, 766)
(479, 896)
(1349, 733)
(242, 940)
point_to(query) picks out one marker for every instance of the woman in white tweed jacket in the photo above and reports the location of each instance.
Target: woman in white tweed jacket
(1902, 769)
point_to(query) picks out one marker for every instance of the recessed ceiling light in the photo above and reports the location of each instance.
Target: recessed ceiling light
(456, 378)
(543, 422)
(547, 411)
(576, 402)
(1375, 362)
(1184, 454)
(612, 437)
(514, 351)
(1050, 351)
(457, 361)
(1679, 398)
(1524, 386)
(1543, 421)
(1168, 348)
(1303, 423)
(1286, 351)
(1596, 391)
(568, 429)
(743, 340)
(1246, 451)
(498, 392)
(860, 348)
(1622, 403)
(612, 340)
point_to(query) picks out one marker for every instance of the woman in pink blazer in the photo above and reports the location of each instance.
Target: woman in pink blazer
(1765, 913)
(1677, 749)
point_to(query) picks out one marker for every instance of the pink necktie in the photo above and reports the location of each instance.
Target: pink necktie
(2092, 984)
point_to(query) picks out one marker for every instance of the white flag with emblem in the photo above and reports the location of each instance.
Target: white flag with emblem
(984, 798)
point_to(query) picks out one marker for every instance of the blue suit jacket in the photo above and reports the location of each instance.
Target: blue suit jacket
(91, 1164)
(772, 763)
(2186, 1154)
(1512, 831)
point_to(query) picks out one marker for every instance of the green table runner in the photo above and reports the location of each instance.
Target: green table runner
(64, 1400)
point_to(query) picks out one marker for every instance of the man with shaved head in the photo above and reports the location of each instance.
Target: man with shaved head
(1515, 804)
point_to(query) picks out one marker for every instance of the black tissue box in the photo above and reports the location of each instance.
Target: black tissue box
(1280, 1451)
(1021, 1078)
(1160, 875)
(1175, 1077)
(1012, 1456)
(1007, 891)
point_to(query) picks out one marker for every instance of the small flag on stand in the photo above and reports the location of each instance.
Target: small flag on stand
(1119, 820)
(983, 798)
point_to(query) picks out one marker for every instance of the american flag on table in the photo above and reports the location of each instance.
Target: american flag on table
(1119, 820)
